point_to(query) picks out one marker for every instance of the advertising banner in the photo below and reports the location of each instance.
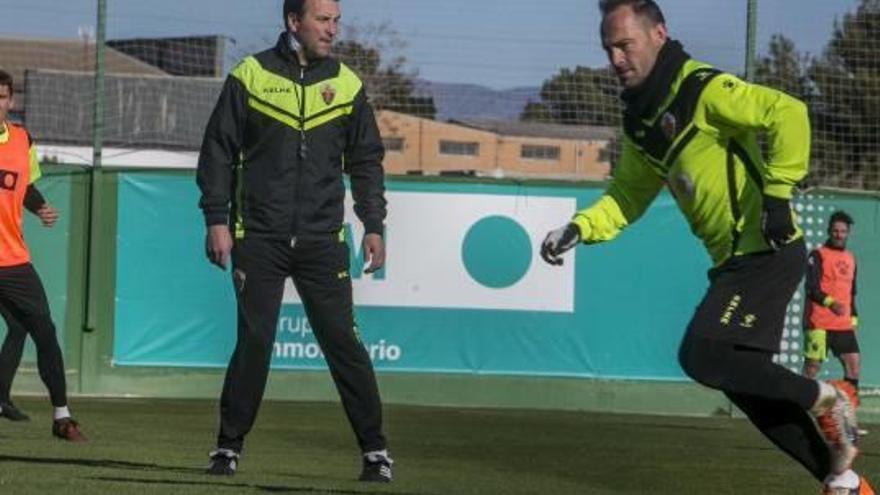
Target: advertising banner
(464, 289)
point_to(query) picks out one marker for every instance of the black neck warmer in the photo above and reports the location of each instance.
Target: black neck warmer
(644, 101)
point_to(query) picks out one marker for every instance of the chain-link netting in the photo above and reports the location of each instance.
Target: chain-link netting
(841, 86)
(558, 117)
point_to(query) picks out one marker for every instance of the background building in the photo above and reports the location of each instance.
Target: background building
(494, 148)
(20, 55)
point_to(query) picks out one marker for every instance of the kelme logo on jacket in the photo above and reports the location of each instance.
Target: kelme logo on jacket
(275, 91)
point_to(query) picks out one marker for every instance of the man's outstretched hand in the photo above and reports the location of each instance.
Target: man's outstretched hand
(558, 242)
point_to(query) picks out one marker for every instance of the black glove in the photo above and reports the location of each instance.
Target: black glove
(776, 222)
(559, 241)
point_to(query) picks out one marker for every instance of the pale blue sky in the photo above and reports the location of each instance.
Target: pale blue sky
(497, 43)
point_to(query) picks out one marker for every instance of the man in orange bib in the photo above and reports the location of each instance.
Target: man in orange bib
(830, 313)
(23, 302)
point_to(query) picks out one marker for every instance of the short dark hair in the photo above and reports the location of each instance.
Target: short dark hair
(6, 80)
(647, 9)
(840, 216)
(294, 7)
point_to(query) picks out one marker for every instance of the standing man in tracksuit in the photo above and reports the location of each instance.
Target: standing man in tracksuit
(830, 313)
(289, 121)
(693, 129)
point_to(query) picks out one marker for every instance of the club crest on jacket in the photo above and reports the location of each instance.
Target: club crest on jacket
(669, 125)
(328, 93)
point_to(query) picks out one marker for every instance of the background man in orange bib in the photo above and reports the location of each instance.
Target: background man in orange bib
(23, 302)
(831, 316)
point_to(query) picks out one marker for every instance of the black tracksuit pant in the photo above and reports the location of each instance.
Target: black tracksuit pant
(25, 309)
(319, 269)
(729, 346)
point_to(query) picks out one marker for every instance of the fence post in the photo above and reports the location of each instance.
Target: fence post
(94, 266)
(751, 29)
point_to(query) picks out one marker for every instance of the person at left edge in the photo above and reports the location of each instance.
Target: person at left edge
(23, 302)
(289, 121)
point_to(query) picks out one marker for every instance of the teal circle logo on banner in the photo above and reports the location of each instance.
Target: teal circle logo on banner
(497, 252)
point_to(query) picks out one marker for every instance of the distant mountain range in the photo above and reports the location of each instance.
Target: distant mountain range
(471, 101)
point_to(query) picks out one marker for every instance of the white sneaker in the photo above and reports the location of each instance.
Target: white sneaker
(839, 428)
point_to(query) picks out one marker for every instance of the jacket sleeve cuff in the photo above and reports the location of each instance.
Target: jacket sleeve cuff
(583, 227)
(216, 218)
(828, 301)
(781, 191)
(374, 227)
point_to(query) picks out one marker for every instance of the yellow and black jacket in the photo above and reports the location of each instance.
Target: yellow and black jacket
(701, 142)
(277, 143)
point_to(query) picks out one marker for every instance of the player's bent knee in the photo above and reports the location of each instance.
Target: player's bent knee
(698, 365)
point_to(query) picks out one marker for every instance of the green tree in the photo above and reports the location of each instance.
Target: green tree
(846, 103)
(842, 90)
(583, 96)
(784, 68)
(373, 52)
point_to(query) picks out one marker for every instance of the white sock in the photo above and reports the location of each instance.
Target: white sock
(827, 394)
(378, 455)
(847, 479)
(61, 413)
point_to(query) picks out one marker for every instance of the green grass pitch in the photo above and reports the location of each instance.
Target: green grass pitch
(160, 446)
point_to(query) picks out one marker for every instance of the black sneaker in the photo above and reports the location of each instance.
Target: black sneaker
(377, 468)
(223, 462)
(12, 413)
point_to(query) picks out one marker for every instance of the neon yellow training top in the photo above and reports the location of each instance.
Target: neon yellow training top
(703, 145)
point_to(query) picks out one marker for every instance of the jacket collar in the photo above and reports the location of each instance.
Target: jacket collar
(284, 49)
(644, 101)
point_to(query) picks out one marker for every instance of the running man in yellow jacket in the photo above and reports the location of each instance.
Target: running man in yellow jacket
(694, 129)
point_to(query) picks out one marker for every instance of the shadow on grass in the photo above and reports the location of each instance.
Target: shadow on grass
(151, 467)
(256, 487)
(751, 448)
(671, 426)
(100, 463)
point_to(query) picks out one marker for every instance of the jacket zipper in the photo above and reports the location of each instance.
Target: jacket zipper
(302, 153)
(734, 200)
